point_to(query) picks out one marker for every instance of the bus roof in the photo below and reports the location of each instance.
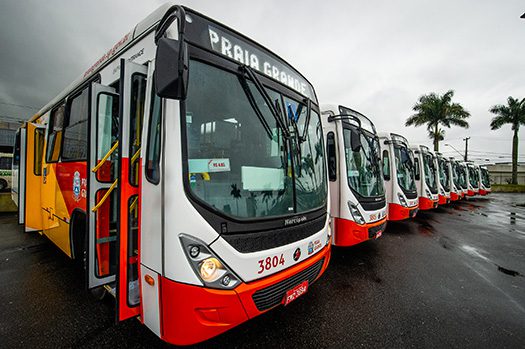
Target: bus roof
(286, 75)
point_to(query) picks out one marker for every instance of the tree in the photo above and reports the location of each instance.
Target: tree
(513, 113)
(434, 111)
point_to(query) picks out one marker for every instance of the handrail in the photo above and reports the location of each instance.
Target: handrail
(108, 154)
(97, 206)
(135, 156)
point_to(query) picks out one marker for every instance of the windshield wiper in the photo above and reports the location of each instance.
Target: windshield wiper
(267, 99)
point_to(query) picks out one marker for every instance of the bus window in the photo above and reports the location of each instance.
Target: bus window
(54, 134)
(138, 95)
(16, 150)
(386, 166)
(5, 163)
(332, 159)
(75, 133)
(107, 135)
(416, 165)
(154, 133)
(39, 150)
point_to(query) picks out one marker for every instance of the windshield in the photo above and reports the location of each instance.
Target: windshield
(363, 165)
(430, 172)
(485, 179)
(404, 168)
(473, 176)
(462, 174)
(239, 163)
(444, 177)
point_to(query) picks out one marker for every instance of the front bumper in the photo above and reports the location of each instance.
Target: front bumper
(397, 212)
(349, 233)
(454, 196)
(443, 200)
(427, 204)
(191, 314)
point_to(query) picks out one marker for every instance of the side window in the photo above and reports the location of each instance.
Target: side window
(76, 132)
(39, 152)
(5, 163)
(54, 133)
(138, 95)
(152, 165)
(331, 157)
(16, 150)
(416, 169)
(107, 119)
(386, 166)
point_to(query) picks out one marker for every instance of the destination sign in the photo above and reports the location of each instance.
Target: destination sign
(212, 35)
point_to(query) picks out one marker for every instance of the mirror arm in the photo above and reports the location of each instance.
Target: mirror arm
(175, 11)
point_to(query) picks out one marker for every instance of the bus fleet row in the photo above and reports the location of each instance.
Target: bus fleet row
(193, 175)
(379, 177)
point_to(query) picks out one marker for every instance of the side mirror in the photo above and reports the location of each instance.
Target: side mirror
(171, 69)
(355, 141)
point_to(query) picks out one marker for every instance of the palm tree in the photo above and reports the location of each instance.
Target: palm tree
(513, 113)
(435, 110)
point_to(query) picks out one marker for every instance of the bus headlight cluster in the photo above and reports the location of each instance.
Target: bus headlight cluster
(358, 218)
(402, 199)
(209, 269)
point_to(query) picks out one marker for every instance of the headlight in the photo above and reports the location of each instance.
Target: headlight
(206, 265)
(402, 199)
(358, 218)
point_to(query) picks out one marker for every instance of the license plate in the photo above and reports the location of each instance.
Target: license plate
(378, 235)
(295, 292)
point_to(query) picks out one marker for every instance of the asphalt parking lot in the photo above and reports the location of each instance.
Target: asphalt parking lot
(453, 277)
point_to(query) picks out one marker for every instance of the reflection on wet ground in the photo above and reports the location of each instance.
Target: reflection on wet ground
(451, 277)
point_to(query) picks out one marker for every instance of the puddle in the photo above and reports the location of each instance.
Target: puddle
(508, 271)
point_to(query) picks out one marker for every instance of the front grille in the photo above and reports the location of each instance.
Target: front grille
(265, 240)
(273, 295)
(374, 230)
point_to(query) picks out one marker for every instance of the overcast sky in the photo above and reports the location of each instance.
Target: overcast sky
(374, 56)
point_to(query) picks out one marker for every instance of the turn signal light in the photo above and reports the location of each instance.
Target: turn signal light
(149, 280)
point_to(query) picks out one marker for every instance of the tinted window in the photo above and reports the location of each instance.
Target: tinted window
(75, 133)
(54, 133)
(5, 163)
(331, 157)
(138, 95)
(152, 165)
(16, 150)
(39, 151)
(417, 170)
(386, 165)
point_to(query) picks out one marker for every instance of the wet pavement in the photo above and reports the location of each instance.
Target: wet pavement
(453, 277)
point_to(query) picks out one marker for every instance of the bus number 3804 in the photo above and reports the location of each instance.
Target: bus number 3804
(270, 262)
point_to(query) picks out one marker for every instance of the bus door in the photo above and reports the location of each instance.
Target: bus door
(102, 185)
(132, 94)
(34, 155)
(18, 173)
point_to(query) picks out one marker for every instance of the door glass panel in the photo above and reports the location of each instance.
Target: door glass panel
(138, 96)
(106, 234)
(133, 250)
(39, 149)
(107, 135)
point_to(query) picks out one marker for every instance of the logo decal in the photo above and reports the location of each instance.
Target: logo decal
(297, 254)
(294, 220)
(310, 247)
(76, 186)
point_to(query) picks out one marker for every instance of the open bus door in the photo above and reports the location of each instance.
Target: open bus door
(133, 95)
(35, 134)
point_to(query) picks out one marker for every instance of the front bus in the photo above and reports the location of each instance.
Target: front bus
(358, 203)
(196, 166)
(426, 177)
(443, 165)
(473, 179)
(484, 181)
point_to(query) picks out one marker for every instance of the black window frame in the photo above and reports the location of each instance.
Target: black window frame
(386, 176)
(331, 156)
(67, 119)
(417, 167)
(141, 130)
(148, 172)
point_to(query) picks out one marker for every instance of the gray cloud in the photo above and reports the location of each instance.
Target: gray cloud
(375, 56)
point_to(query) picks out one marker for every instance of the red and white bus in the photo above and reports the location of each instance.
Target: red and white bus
(472, 179)
(443, 165)
(358, 203)
(426, 175)
(186, 170)
(484, 181)
(456, 191)
(399, 177)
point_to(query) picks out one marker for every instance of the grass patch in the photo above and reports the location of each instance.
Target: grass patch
(508, 188)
